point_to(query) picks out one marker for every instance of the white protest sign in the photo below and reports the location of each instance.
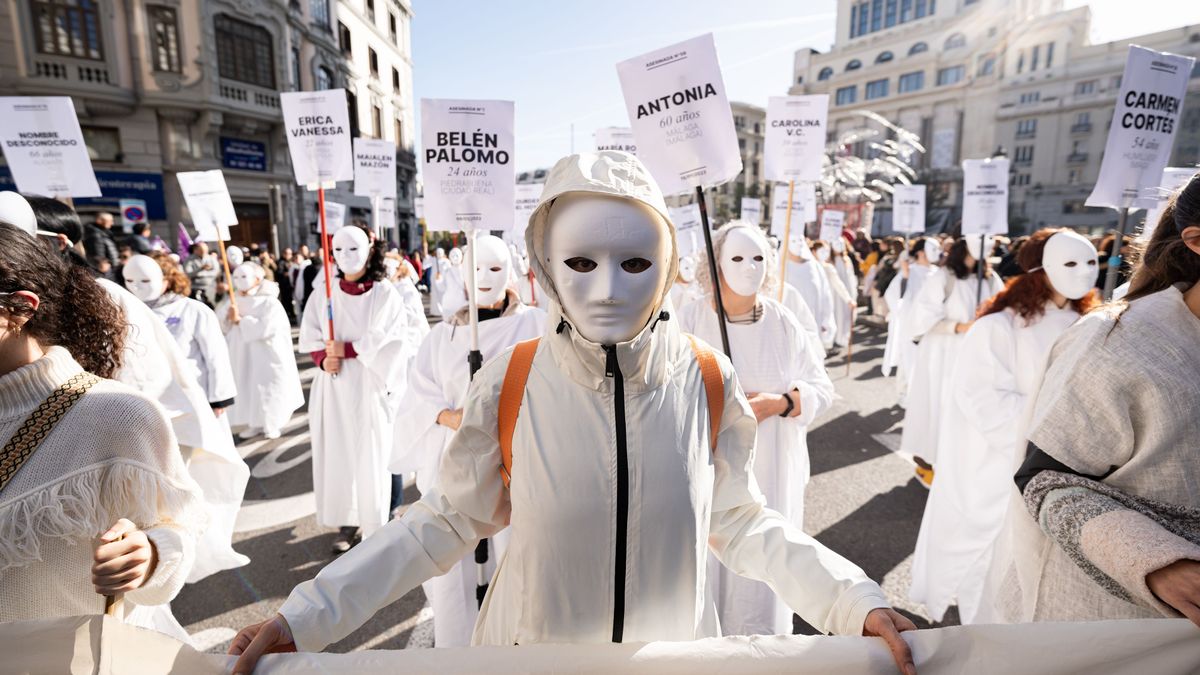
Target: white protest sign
(374, 168)
(985, 196)
(1173, 178)
(419, 207)
(1143, 127)
(832, 223)
(680, 115)
(527, 196)
(335, 216)
(794, 142)
(752, 210)
(208, 202)
(386, 207)
(908, 209)
(687, 228)
(468, 164)
(616, 138)
(804, 207)
(318, 133)
(45, 148)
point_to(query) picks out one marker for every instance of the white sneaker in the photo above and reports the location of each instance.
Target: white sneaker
(272, 434)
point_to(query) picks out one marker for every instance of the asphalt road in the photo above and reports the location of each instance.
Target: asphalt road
(863, 501)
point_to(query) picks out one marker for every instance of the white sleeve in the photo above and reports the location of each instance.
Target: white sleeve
(312, 326)
(221, 385)
(825, 313)
(984, 379)
(417, 431)
(929, 306)
(809, 376)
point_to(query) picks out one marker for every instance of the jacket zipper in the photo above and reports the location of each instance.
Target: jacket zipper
(613, 369)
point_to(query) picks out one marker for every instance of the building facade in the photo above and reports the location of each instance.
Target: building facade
(185, 85)
(975, 77)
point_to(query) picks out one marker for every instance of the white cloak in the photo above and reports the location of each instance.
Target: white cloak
(351, 415)
(809, 278)
(900, 352)
(264, 364)
(804, 316)
(843, 316)
(414, 309)
(454, 289)
(197, 332)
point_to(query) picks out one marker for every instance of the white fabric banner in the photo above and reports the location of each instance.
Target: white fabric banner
(1173, 178)
(527, 196)
(794, 142)
(985, 196)
(1143, 127)
(208, 202)
(44, 147)
(468, 164)
(680, 115)
(616, 138)
(318, 132)
(831, 224)
(752, 210)
(335, 217)
(908, 209)
(804, 206)
(374, 168)
(687, 228)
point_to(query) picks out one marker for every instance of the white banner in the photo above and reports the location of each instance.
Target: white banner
(468, 164)
(1173, 178)
(208, 202)
(795, 138)
(616, 138)
(804, 207)
(687, 228)
(832, 223)
(374, 168)
(680, 115)
(985, 196)
(752, 210)
(1143, 127)
(45, 148)
(318, 133)
(908, 209)
(527, 196)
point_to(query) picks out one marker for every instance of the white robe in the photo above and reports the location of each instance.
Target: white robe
(198, 333)
(994, 382)
(438, 381)
(843, 317)
(804, 316)
(930, 413)
(683, 294)
(772, 355)
(351, 415)
(454, 290)
(900, 352)
(415, 309)
(809, 278)
(264, 364)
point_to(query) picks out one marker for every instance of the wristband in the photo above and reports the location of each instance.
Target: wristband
(790, 405)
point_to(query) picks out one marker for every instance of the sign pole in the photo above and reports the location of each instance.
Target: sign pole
(376, 221)
(712, 270)
(325, 252)
(225, 264)
(1114, 258)
(787, 236)
(474, 363)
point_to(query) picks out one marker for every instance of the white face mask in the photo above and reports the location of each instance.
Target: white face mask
(143, 278)
(608, 259)
(351, 249)
(493, 265)
(245, 277)
(687, 270)
(1070, 262)
(235, 256)
(798, 246)
(456, 257)
(743, 261)
(392, 266)
(439, 253)
(978, 243)
(933, 251)
(839, 245)
(822, 254)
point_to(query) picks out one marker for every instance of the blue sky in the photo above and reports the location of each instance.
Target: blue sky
(557, 58)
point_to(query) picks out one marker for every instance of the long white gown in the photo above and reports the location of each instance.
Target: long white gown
(995, 382)
(454, 293)
(198, 333)
(438, 381)
(900, 352)
(351, 415)
(843, 318)
(804, 316)
(774, 356)
(944, 300)
(264, 365)
(415, 310)
(809, 278)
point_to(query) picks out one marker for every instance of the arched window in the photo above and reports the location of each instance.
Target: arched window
(244, 52)
(324, 79)
(955, 41)
(68, 28)
(884, 57)
(854, 65)
(825, 73)
(918, 48)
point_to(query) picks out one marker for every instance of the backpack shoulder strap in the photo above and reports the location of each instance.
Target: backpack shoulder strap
(714, 386)
(511, 394)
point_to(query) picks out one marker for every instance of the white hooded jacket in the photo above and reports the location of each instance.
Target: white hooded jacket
(596, 554)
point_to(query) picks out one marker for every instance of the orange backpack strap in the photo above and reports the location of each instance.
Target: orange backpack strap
(714, 386)
(511, 393)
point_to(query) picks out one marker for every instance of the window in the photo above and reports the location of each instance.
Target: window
(395, 80)
(164, 38)
(1021, 179)
(884, 57)
(877, 89)
(870, 16)
(352, 111)
(1085, 87)
(1115, 82)
(1026, 128)
(244, 52)
(955, 41)
(1033, 61)
(951, 75)
(67, 28)
(319, 9)
(371, 10)
(1021, 62)
(1083, 123)
(376, 121)
(854, 64)
(1030, 97)
(846, 95)
(987, 66)
(1023, 154)
(324, 79)
(825, 73)
(344, 42)
(906, 11)
(103, 143)
(373, 60)
(296, 67)
(890, 15)
(876, 15)
(399, 133)
(392, 32)
(912, 82)
(918, 48)
(1049, 54)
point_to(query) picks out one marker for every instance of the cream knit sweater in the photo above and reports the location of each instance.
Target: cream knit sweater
(112, 456)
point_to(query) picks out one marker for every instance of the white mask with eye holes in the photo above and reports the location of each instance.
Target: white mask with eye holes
(687, 269)
(246, 277)
(143, 278)
(743, 261)
(1070, 263)
(493, 265)
(608, 259)
(977, 243)
(822, 254)
(933, 251)
(235, 256)
(798, 246)
(839, 245)
(391, 265)
(351, 249)
(456, 256)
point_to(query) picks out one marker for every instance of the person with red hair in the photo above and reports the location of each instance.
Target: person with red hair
(993, 385)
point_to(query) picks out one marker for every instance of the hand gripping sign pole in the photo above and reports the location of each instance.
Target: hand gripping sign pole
(225, 265)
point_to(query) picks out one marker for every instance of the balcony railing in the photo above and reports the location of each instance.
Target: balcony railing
(1077, 158)
(1027, 134)
(1081, 128)
(249, 95)
(67, 70)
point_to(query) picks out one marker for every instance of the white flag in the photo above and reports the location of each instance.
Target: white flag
(752, 210)
(527, 196)
(688, 234)
(335, 216)
(832, 223)
(468, 164)
(318, 133)
(1173, 179)
(804, 207)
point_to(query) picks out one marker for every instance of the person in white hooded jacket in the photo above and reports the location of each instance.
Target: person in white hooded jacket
(619, 477)
(844, 300)
(917, 266)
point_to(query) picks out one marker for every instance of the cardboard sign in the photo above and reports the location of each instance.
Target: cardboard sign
(1143, 128)
(335, 216)
(804, 207)
(687, 228)
(908, 209)
(616, 138)
(527, 196)
(1173, 179)
(375, 168)
(45, 148)
(468, 172)
(752, 210)
(832, 223)
(680, 115)
(985, 196)
(318, 134)
(208, 202)
(794, 147)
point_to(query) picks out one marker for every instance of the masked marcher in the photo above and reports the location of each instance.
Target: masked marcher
(404, 279)
(844, 302)
(685, 289)
(942, 314)
(620, 478)
(437, 281)
(844, 264)
(900, 351)
(527, 287)
(813, 284)
(787, 387)
(432, 412)
(993, 384)
(259, 336)
(354, 398)
(454, 296)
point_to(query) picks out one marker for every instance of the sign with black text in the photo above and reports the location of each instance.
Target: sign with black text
(468, 166)
(794, 141)
(527, 196)
(616, 138)
(985, 196)
(318, 134)
(688, 235)
(44, 147)
(908, 209)
(804, 207)
(208, 201)
(832, 223)
(374, 168)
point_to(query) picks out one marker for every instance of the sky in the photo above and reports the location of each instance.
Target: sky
(557, 58)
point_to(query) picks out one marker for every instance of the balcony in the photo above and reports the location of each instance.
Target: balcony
(1027, 134)
(1077, 158)
(248, 96)
(1081, 128)
(64, 70)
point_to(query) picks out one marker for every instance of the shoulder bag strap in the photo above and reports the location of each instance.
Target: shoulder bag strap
(511, 394)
